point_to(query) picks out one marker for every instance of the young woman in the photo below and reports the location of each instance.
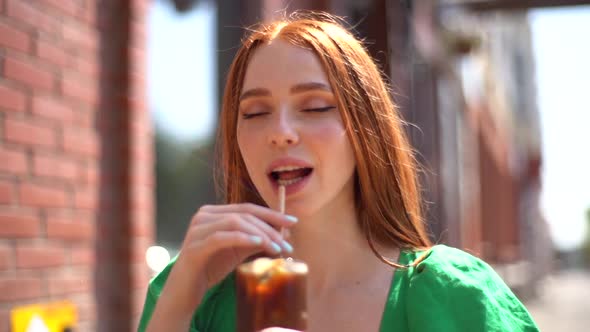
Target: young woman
(305, 106)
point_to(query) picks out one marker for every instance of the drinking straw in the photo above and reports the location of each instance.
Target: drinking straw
(282, 210)
(282, 207)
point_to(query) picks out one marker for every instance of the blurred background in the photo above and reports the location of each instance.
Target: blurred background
(108, 119)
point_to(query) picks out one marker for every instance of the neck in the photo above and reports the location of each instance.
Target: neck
(335, 249)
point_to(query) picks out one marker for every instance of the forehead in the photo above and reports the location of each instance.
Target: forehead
(281, 64)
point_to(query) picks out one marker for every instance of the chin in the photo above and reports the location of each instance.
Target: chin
(301, 209)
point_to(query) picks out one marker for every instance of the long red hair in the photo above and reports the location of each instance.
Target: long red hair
(387, 194)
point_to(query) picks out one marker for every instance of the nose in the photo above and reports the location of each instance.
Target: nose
(283, 131)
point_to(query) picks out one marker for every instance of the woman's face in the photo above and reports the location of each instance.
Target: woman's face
(290, 131)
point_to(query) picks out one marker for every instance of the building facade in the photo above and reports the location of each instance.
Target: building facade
(76, 157)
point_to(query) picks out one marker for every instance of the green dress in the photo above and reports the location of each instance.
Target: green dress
(449, 291)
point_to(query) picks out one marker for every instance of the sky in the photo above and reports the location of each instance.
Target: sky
(182, 83)
(561, 41)
(182, 69)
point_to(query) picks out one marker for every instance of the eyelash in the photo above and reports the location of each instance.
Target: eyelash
(247, 116)
(318, 110)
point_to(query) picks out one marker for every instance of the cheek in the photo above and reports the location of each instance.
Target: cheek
(249, 133)
(329, 131)
(332, 140)
(246, 147)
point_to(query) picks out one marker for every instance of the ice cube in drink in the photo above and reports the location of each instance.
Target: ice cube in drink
(271, 293)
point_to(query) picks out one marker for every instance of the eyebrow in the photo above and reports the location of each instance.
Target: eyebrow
(304, 87)
(298, 88)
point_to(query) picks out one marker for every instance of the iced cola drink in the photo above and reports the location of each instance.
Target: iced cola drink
(271, 293)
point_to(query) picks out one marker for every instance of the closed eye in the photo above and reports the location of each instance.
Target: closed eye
(319, 110)
(246, 116)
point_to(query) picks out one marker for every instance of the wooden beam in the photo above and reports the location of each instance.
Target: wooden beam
(488, 5)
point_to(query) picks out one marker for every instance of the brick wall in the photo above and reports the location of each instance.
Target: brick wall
(75, 158)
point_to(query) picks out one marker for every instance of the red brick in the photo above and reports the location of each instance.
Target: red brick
(139, 9)
(5, 313)
(138, 37)
(87, 66)
(144, 154)
(140, 279)
(71, 230)
(49, 52)
(52, 109)
(138, 249)
(24, 12)
(87, 311)
(13, 38)
(18, 224)
(88, 15)
(69, 7)
(13, 161)
(55, 166)
(19, 288)
(69, 284)
(79, 89)
(82, 256)
(11, 99)
(6, 192)
(92, 174)
(137, 64)
(81, 36)
(28, 73)
(28, 256)
(29, 132)
(84, 119)
(138, 103)
(138, 299)
(87, 325)
(81, 142)
(6, 255)
(141, 198)
(42, 195)
(88, 174)
(86, 199)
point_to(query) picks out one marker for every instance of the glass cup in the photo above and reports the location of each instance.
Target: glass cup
(271, 293)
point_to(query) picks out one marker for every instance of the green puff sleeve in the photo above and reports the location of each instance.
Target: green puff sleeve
(454, 291)
(153, 293)
(215, 313)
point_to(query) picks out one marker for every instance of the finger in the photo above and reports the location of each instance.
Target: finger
(270, 216)
(272, 233)
(241, 222)
(237, 222)
(231, 239)
(203, 217)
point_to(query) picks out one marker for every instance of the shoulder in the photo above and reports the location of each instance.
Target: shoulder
(213, 310)
(223, 288)
(449, 273)
(216, 312)
(456, 289)
(454, 267)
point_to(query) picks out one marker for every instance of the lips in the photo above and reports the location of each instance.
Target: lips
(290, 176)
(288, 171)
